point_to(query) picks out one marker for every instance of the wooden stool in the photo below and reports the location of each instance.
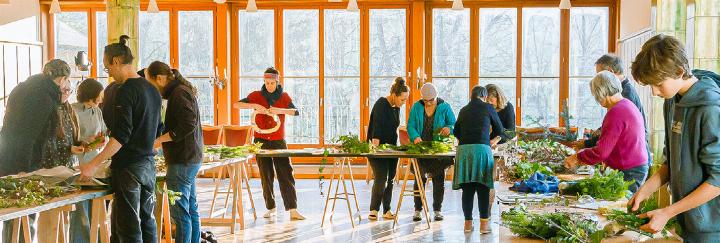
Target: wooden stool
(412, 163)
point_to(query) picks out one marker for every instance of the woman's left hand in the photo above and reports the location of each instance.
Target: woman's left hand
(658, 220)
(77, 149)
(445, 131)
(87, 170)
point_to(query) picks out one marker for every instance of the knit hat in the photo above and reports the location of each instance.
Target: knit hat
(428, 91)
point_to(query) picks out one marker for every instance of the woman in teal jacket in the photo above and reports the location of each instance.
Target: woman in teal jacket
(431, 118)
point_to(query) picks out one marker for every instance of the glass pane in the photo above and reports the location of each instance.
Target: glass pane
(196, 56)
(541, 42)
(506, 84)
(342, 43)
(451, 43)
(498, 42)
(36, 59)
(588, 39)
(387, 42)
(102, 41)
(205, 99)
(195, 38)
(380, 87)
(71, 36)
(247, 86)
(155, 38)
(257, 42)
(540, 102)
(455, 91)
(23, 60)
(10, 68)
(305, 93)
(342, 107)
(584, 109)
(301, 41)
(20, 27)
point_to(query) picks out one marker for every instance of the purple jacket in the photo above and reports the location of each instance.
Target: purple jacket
(622, 143)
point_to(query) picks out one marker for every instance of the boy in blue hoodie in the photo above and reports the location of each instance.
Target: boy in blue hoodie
(692, 140)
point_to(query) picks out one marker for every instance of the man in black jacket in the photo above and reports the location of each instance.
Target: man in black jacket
(30, 118)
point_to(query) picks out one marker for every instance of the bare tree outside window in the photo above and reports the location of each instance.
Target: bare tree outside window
(451, 56)
(257, 52)
(498, 49)
(342, 73)
(388, 35)
(301, 70)
(588, 41)
(541, 66)
(196, 46)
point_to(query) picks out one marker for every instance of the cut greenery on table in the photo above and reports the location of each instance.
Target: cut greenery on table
(352, 144)
(26, 192)
(608, 185)
(524, 169)
(546, 152)
(627, 220)
(234, 152)
(552, 227)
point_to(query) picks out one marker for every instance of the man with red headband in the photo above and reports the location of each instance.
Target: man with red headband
(271, 105)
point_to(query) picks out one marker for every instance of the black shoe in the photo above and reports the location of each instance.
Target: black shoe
(438, 216)
(208, 236)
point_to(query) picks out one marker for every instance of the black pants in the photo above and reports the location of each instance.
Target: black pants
(268, 168)
(384, 170)
(438, 182)
(132, 217)
(468, 196)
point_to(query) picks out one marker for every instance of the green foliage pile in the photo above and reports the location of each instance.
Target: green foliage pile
(26, 192)
(608, 185)
(524, 170)
(234, 152)
(552, 227)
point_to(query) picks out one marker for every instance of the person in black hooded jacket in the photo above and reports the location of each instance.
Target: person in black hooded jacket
(31, 117)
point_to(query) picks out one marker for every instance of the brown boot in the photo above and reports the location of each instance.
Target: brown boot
(485, 226)
(468, 226)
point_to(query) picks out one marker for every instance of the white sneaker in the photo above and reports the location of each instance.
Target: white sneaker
(270, 213)
(388, 215)
(373, 215)
(417, 216)
(294, 215)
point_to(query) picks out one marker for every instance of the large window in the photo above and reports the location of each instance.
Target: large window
(588, 41)
(342, 73)
(257, 52)
(301, 61)
(102, 41)
(388, 31)
(451, 55)
(71, 36)
(541, 66)
(154, 39)
(195, 41)
(498, 49)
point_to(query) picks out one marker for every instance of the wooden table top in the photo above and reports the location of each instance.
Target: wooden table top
(317, 153)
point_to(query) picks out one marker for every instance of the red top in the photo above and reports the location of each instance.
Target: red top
(265, 121)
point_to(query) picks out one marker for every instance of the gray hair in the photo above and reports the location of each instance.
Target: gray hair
(605, 84)
(612, 62)
(56, 68)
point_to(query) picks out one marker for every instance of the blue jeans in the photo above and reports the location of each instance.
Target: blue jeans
(639, 174)
(181, 178)
(80, 222)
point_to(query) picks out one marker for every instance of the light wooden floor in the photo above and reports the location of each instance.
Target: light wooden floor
(311, 202)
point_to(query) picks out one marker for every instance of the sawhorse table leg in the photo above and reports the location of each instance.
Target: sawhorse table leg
(412, 163)
(345, 195)
(98, 220)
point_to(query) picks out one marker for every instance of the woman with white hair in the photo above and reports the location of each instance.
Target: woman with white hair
(622, 144)
(431, 118)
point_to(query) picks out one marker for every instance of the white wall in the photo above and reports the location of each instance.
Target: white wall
(634, 16)
(20, 21)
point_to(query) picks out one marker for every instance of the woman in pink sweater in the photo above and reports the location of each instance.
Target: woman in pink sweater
(622, 144)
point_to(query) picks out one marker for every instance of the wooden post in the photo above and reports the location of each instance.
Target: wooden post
(123, 19)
